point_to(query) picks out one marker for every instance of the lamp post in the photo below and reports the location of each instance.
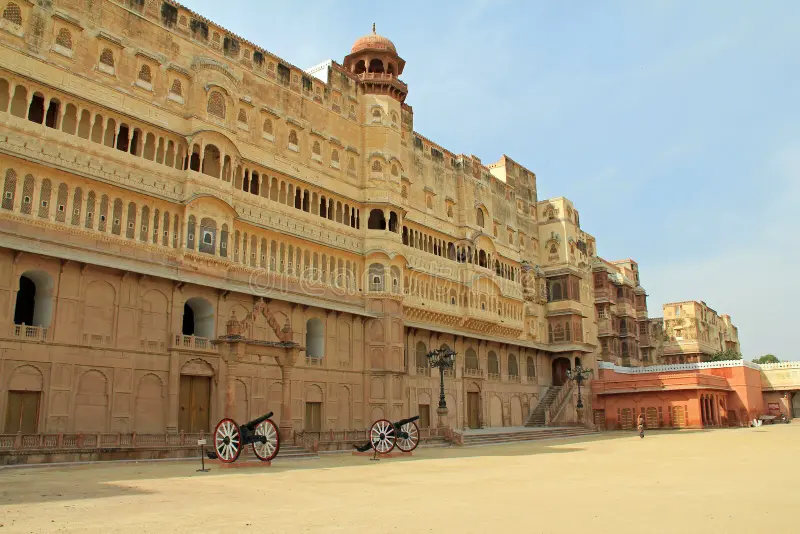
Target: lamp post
(443, 358)
(579, 375)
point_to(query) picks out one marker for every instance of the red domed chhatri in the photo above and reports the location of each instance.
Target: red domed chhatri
(373, 42)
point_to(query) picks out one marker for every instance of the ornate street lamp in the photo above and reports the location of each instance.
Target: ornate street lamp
(443, 358)
(579, 375)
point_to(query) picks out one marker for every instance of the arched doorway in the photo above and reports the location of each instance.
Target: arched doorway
(796, 404)
(560, 368)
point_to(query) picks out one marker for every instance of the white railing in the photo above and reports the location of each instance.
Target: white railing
(678, 367)
(31, 333)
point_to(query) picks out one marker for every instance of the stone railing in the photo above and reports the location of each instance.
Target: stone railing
(781, 365)
(473, 373)
(423, 371)
(193, 343)
(82, 441)
(558, 402)
(312, 361)
(30, 333)
(514, 378)
(494, 376)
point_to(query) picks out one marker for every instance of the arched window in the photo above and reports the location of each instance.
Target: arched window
(13, 14)
(335, 155)
(513, 368)
(34, 299)
(376, 114)
(268, 126)
(145, 74)
(530, 368)
(404, 192)
(211, 161)
(107, 57)
(64, 38)
(394, 170)
(315, 338)
(316, 149)
(351, 164)
(421, 355)
(471, 359)
(479, 217)
(216, 105)
(376, 275)
(376, 221)
(376, 166)
(494, 364)
(293, 138)
(242, 116)
(198, 318)
(177, 87)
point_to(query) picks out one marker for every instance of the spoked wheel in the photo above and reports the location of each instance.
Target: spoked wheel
(227, 441)
(269, 450)
(382, 436)
(408, 437)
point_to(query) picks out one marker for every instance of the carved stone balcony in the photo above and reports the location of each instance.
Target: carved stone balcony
(181, 341)
(473, 373)
(30, 333)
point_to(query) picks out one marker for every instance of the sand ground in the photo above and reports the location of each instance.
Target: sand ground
(740, 480)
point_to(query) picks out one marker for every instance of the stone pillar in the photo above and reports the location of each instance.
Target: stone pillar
(286, 363)
(174, 386)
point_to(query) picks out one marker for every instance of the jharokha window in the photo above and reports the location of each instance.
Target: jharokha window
(64, 38)
(563, 288)
(216, 105)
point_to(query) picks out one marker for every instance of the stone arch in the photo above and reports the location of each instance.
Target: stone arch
(26, 377)
(150, 405)
(216, 107)
(91, 402)
(471, 359)
(314, 393)
(516, 411)
(377, 220)
(197, 367)
(376, 277)
(34, 304)
(153, 317)
(560, 366)
(212, 161)
(377, 413)
(377, 388)
(495, 411)
(199, 318)
(99, 306)
(493, 363)
(344, 416)
(315, 338)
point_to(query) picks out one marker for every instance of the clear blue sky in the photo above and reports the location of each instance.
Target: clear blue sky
(673, 126)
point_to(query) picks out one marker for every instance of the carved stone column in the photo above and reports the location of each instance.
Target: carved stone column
(286, 362)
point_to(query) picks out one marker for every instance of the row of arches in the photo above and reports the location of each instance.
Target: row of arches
(458, 253)
(289, 194)
(456, 295)
(92, 210)
(279, 256)
(512, 365)
(79, 120)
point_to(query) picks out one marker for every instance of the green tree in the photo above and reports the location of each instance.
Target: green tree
(767, 358)
(724, 355)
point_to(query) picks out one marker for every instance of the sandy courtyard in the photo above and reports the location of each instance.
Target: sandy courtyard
(742, 480)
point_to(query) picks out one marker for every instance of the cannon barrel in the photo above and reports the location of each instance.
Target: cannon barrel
(251, 426)
(406, 421)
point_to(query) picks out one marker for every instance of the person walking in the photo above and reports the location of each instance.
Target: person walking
(641, 425)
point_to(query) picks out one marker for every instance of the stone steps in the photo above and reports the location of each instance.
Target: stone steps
(537, 417)
(472, 440)
(287, 452)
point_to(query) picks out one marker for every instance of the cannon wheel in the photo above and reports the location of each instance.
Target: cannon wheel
(269, 450)
(410, 443)
(227, 441)
(382, 436)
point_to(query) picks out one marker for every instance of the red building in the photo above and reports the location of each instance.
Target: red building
(696, 395)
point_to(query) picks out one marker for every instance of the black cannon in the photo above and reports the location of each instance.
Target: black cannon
(230, 439)
(384, 436)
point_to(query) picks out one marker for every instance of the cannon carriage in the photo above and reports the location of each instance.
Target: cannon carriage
(230, 439)
(384, 436)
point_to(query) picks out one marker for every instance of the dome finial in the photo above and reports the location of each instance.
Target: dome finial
(373, 29)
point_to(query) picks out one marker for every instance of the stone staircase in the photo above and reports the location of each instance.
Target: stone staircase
(537, 417)
(518, 435)
(288, 452)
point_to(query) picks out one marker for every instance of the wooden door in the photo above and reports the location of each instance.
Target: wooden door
(473, 409)
(626, 419)
(651, 417)
(195, 404)
(678, 417)
(22, 413)
(560, 367)
(313, 416)
(424, 415)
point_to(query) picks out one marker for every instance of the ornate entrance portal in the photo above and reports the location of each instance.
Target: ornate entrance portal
(560, 368)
